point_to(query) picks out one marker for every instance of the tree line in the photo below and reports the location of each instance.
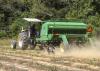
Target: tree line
(11, 11)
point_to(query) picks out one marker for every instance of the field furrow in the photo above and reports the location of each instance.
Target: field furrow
(35, 60)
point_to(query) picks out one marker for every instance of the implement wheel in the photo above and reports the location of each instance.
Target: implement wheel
(63, 47)
(51, 49)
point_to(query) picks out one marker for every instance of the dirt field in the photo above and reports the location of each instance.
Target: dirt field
(28, 60)
(32, 60)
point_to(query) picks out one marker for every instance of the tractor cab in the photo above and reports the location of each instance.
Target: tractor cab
(33, 27)
(28, 35)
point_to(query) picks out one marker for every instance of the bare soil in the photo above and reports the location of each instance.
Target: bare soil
(28, 60)
(84, 59)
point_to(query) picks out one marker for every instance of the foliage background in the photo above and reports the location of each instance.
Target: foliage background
(13, 10)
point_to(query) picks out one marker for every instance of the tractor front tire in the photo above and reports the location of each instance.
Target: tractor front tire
(13, 44)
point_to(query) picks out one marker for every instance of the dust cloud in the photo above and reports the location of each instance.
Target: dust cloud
(88, 51)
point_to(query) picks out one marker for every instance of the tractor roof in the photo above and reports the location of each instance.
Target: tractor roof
(32, 19)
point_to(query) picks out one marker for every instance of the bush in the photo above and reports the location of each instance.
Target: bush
(3, 34)
(17, 25)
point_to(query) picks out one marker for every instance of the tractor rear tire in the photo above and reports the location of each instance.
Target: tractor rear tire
(32, 44)
(13, 46)
(32, 47)
(23, 45)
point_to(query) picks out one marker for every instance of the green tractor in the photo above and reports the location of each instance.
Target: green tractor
(52, 33)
